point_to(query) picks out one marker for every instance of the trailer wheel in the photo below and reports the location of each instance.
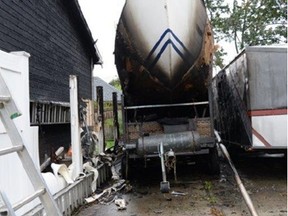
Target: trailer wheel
(213, 162)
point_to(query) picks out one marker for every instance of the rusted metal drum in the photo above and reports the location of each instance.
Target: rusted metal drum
(188, 141)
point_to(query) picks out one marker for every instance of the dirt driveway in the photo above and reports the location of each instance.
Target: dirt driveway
(264, 177)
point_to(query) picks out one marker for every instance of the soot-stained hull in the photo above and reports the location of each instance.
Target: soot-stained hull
(163, 51)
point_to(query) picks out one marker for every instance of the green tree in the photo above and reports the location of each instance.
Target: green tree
(216, 9)
(116, 83)
(248, 22)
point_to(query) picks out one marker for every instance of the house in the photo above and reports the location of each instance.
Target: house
(59, 42)
(107, 90)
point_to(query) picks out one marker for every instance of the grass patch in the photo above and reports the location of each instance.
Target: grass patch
(109, 144)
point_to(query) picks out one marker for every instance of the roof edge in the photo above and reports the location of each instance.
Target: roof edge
(80, 19)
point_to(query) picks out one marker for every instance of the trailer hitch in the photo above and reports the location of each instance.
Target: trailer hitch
(170, 162)
(164, 185)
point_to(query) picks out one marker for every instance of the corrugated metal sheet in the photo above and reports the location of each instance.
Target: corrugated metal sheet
(267, 75)
(251, 93)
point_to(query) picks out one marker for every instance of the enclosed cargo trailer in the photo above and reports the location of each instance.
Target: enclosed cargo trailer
(250, 99)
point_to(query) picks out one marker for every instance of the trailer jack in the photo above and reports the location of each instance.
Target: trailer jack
(164, 185)
(170, 162)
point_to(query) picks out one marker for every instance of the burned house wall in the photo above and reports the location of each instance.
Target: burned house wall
(47, 30)
(51, 137)
(54, 34)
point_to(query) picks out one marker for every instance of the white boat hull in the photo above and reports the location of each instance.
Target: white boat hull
(159, 48)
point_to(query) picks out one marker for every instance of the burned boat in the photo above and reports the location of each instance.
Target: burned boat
(163, 55)
(163, 51)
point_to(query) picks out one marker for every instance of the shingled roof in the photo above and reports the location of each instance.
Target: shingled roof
(107, 90)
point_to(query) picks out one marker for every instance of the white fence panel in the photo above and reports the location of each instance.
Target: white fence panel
(14, 68)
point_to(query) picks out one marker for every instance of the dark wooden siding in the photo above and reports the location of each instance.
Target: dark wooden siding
(48, 31)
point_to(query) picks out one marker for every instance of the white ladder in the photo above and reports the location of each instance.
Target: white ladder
(9, 111)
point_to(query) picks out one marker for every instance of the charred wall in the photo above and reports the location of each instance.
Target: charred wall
(57, 37)
(51, 137)
(49, 30)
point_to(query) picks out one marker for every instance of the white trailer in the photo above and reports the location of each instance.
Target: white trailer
(250, 99)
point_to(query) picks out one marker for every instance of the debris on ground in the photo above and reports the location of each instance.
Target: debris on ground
(177, 193)
(121, 203)
(167, 198)
(52, 159)
(216, 212)
(88, 167)
(109, 194)
(158, 211)
(205, 195)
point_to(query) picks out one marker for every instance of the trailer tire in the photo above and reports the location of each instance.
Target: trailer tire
(213, 162)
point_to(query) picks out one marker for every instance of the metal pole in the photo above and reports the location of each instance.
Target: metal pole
(244, 193)
(166, 105)
(115, 116)
(124, 122)
(164, 185)
(162, 163)
(100, 109)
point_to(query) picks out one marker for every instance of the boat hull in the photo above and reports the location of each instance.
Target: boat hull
(163, 51)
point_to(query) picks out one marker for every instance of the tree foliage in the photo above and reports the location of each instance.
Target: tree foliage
(116, 83)
(248, 22)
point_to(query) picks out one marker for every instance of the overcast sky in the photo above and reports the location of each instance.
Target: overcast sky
(102, 17)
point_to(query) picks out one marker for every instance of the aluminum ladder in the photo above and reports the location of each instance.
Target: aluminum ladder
(9, 111)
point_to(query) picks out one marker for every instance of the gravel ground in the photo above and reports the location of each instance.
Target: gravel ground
(264, 177)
